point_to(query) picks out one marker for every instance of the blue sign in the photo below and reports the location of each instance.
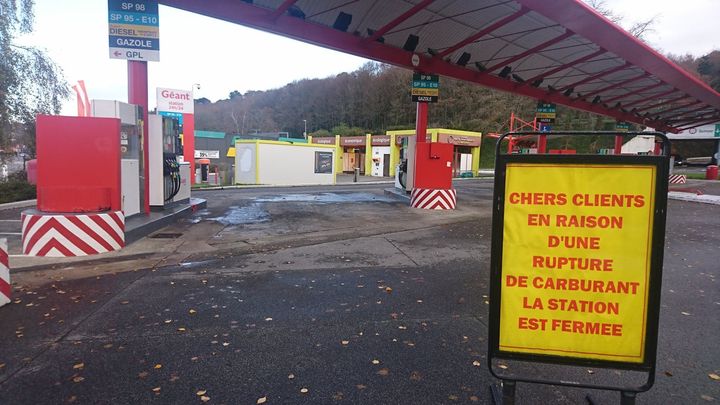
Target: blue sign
(137, 6)
(177, 116)
(545, 128)
(134, 43)
(133, 19)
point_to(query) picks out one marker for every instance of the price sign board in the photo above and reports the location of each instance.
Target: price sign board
(577, 259)
(425, 88)
(622, 126)
(545, 113)
(134, 30)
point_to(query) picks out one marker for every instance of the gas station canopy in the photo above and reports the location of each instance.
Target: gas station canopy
(557, 51)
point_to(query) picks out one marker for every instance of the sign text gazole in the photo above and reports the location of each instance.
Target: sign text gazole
(577, 244)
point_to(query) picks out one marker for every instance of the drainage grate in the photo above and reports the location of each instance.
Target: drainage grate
(166, 235)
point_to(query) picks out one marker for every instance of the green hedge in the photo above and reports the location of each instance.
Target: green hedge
(16, 188)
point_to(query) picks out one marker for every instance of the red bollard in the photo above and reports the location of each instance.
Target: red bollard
(711, 172)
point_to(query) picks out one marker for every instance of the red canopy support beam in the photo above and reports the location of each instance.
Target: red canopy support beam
(666, 102)
(596, 76)
(695, 125)
(634, 92)
(685, 121)
(566, 66)
(651, 98)
(701, 116)
(680, 114)
(490, 28)
(398, 20)
(532, 50)
(676, 108)
(616, 85)
(282, 8)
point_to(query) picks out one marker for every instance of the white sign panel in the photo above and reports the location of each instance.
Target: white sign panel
(709, 131)
(172, 100)
(207, 154)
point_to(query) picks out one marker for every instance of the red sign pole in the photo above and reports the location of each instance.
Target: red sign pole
(618, 144)
(138, 95)
(189, 143)
(421, 122)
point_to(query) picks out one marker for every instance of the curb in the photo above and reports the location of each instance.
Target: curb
(18, 204)
(692, 197)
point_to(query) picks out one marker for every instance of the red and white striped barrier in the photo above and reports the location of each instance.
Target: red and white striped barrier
(63, 235)
(5, 287)
(677, 179)
(431, 199)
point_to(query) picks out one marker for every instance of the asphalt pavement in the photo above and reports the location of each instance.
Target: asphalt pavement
(320, 296)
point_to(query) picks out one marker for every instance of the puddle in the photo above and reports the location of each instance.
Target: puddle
(251, 214)
(200, 263)
(327, 198)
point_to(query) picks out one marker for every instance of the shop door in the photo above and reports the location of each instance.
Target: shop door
(386, 165)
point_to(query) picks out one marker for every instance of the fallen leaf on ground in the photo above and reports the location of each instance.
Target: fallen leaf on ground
(192, 311)
(707, 397)
(168, 320)
(124, 302)
(388, 290)
(158, 366)
(453, 397)
(476, 363)
(181, 329)
(204, 398)
(261, 400)
(291, 376)
(304, 390)
(268, 319)
(714, 376)
(79, 366)
(200, 393)
(669, 374)
(156, 389)
(107, 346)
(474, 398)
(685, 313)
(78, 379)
(361, 386)
(502, 366)
(345, 342)
(383, 372)
(376, 361)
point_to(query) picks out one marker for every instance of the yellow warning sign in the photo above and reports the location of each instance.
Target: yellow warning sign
(577, 244)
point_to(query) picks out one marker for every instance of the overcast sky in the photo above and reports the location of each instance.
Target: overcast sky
(222, 57)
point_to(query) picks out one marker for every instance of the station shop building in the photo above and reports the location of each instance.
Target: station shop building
(379, 155)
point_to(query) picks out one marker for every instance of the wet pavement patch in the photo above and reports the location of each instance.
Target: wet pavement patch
(327, 198)
(251, 214)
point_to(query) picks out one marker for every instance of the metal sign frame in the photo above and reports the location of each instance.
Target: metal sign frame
(661, 164)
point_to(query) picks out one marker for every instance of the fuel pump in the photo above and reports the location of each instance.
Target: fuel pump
(164, 147)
